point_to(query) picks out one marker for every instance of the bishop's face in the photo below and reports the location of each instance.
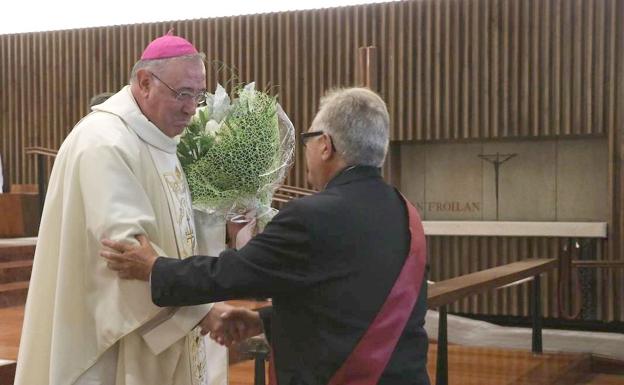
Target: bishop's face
(172, 95)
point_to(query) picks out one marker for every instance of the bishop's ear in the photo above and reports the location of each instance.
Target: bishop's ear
(144, 80)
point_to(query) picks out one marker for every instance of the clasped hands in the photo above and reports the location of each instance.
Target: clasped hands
(227, 324)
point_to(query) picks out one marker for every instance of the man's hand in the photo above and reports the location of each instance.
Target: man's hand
(241, 229)
(238, 325)
(213, 324)
(245, 234)
(212, 321)
(130, 261)
(228, 324)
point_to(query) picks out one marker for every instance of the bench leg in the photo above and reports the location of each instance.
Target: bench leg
(536, 313)
(259, 374)
(442, 361)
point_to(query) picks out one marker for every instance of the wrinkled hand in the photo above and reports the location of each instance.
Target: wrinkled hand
(212, 322)
(241, 229)
(130, 261)
(235, 324)
(246, 233)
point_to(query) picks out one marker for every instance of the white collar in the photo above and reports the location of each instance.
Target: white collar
(124, 105)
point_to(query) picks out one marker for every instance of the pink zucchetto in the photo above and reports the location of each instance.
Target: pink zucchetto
(168, 46)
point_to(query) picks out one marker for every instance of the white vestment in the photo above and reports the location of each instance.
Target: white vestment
(115, 176)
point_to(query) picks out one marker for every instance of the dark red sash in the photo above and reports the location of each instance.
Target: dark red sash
(368, 360)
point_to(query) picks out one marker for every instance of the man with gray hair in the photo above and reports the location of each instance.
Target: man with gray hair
(117, 175)
(345, 267)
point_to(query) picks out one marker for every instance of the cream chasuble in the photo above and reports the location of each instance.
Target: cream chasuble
(116, 175)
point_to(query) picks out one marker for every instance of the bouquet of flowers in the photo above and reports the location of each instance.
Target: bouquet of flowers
(236, 152)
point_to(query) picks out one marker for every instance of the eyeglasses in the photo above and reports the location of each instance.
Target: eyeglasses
(305, 136)
(184, 96)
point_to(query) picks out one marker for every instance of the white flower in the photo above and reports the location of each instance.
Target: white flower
(202, 114)
(247, 94)
(220, 104)
(208, 108)
(212, 127)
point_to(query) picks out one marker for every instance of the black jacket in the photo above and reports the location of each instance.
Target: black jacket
(328, 261)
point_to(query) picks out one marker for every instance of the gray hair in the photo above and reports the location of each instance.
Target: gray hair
(157, 65)
(357, 121)
(99, 98)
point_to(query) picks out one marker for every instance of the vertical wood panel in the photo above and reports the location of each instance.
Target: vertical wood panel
(465, 70)
(545, 61)
(618, 288)
(599, 65)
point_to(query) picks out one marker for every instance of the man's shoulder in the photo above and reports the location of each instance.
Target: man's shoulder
(103, 129)
(313, 206)
(100, 134)
(99, 123)
(320, 199)
(335, 200)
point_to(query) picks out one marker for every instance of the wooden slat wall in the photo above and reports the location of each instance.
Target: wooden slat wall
(498, 69)
(449, 70)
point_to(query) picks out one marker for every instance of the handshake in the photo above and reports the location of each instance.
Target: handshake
(227, 324)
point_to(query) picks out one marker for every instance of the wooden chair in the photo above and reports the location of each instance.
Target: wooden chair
(41, 153)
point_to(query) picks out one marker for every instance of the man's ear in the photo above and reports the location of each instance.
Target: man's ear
(144, 81)
(325, 148)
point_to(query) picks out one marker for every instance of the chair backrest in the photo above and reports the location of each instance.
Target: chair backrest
(41, 153)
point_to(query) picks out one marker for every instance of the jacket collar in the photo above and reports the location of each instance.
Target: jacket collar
(354, 173)
(126, 108)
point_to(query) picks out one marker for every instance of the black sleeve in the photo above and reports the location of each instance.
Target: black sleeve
(275, 261)
(266, 313)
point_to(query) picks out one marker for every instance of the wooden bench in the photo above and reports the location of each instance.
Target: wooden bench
(443, 293)
(285, 193)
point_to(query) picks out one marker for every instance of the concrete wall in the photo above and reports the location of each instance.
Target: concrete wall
(546, 180)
